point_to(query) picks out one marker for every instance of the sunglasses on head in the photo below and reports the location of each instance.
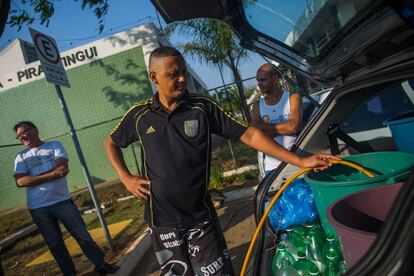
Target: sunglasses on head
(23, 132)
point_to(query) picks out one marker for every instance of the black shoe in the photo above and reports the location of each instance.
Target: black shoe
(107, 268)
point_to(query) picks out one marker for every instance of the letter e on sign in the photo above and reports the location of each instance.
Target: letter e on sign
(49, 57)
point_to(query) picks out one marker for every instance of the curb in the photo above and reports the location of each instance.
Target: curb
(240, 194)
(133, 256)
(17, 236)
(240, 170)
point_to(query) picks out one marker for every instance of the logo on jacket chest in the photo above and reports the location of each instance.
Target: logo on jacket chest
(191, 128)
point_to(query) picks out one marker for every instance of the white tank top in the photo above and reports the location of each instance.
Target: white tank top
(276, 114)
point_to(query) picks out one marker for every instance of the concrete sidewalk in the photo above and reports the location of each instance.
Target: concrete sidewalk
(236, 219)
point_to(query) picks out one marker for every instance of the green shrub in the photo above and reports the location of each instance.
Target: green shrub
(216, 178)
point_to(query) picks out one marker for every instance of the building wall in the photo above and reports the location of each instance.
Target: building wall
(12, 56)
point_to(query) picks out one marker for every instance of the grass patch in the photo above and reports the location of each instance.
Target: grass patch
(219, 182)
(222, 159)
(105, 192)
(13, 221)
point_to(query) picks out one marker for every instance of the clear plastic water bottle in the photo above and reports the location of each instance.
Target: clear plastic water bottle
(318, 225)
(331, 268)
(286, 269)
(296, 240)
(314, 271)
(342, 267)
(331, 244)
(281, 254)
(314, 246)
(303, 266)
(300, 230)
(289, 245)
(317, 228)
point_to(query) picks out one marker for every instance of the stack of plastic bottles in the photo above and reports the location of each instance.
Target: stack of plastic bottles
(304, 250)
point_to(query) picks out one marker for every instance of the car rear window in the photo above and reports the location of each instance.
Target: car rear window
(306, 26)
(395, 100)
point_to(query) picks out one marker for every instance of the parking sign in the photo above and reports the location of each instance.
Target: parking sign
(49, 57)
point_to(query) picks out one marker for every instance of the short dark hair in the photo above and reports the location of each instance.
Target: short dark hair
(164, 52)
(26, 123)
(161, 52)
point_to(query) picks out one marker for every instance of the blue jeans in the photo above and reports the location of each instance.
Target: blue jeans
(47, 221)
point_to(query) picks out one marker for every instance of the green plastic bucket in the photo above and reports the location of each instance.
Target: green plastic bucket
(341, 180)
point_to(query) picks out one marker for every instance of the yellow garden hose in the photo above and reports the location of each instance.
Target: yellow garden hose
(277, 195)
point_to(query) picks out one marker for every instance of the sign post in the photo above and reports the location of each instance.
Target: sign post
(55, 73)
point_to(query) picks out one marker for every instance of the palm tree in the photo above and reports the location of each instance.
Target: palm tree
(214, 43)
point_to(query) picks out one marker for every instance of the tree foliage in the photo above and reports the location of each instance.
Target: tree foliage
(213, 43)
(26, 12)
(229, 98)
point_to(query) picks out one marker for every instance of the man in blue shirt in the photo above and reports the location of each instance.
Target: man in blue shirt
(42, 168)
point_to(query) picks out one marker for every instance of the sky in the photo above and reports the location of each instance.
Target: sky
(71, 27)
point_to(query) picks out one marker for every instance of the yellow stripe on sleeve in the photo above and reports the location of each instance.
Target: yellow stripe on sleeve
(140, 103)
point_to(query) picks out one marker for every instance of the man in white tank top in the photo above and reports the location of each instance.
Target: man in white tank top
(278, 113)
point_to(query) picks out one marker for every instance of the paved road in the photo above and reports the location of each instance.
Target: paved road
(237, 221)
